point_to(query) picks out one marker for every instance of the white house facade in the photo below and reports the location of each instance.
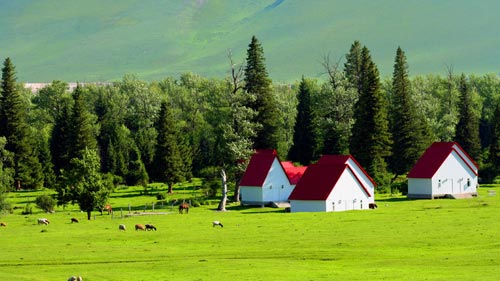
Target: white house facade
(335, 183)
(265, 180)
(444, 170)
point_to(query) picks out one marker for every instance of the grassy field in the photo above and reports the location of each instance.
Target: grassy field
(402, 239)
(96, 40)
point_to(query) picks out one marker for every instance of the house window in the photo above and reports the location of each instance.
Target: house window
(282, 186)
(468, 182)
(271, 187)
(340, 201)
(361, 203)
(439, 183)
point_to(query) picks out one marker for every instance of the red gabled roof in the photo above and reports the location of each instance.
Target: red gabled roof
(294, 173)
(258, 167)
(343, 159)
(434, 156)
(319, 179)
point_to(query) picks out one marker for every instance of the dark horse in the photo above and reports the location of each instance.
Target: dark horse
(184, 207)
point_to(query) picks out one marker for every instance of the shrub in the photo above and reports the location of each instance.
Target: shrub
(195, 203)
(4, 205)
(161, 196)
(28, 210)
(46, 202)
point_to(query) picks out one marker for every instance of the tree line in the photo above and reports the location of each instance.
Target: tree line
(133, 132)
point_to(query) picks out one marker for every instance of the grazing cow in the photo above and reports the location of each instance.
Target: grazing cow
(184, 207)
(75, 278)
(3, 224)
(74, 220)
(43, 221)
(122, 227)
(139, 227)
(372, 206)
(150, 227)
(217, 223)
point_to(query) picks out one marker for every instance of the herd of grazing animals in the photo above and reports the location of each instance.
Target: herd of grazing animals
(183, 208)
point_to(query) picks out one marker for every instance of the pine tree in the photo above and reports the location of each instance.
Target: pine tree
(81, 132)
(14, 126)
(408, 128)
(167, 160)
(352, 66)
(305, 143)
(60, 141)
(467, 129)
(371, 140)
(494, 155)
(257, 83)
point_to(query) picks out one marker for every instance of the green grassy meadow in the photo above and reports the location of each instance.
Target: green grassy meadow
(402, 239)
(96, 40)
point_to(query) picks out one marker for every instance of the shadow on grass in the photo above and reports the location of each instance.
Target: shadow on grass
(395, 199)
(253, 209)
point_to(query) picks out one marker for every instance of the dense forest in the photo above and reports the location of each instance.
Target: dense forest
(85, 142)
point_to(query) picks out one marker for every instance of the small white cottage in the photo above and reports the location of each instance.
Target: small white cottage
(444, 170)
(335, 183)
(265, 180)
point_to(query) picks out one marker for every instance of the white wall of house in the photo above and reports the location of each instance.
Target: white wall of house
(276, 187)
(419, 188)
(307, 206)
(347, 194)
(454, 177)
(363, 179)
(251, 194)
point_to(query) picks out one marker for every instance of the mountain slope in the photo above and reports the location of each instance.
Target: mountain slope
(95, 40)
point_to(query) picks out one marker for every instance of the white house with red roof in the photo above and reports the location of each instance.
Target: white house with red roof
(266, 180)
(444, 170)
(334, 183)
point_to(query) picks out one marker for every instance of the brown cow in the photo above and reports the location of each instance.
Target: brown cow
(139, 227)
(3, 224)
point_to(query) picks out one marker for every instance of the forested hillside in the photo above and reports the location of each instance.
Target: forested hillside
(132, 132)
(104, 40)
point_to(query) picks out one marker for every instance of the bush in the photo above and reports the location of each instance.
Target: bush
(161, 196)
(28, 210)
(46, 202)
(4, 205)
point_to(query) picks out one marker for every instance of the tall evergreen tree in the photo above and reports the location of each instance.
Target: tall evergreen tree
(352, 66)
(167, 160)
(407, 127)
(305, 142)
(371, 140)
(14, 126)
(494, 155)
(258, 83)
(60, 140)
(467, 129)
(81, 131)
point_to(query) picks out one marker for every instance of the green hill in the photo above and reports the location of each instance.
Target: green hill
(97, 40)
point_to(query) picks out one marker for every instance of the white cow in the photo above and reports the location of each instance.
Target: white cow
(43, 221)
